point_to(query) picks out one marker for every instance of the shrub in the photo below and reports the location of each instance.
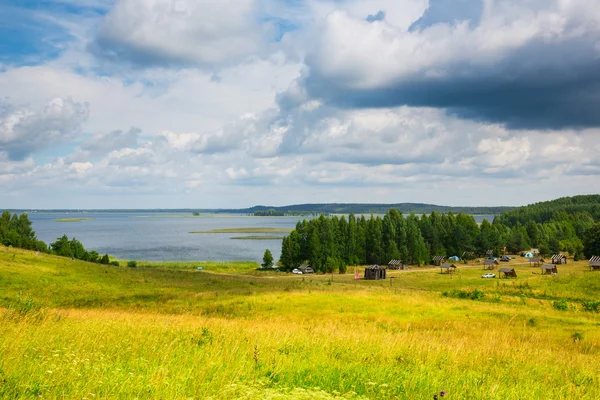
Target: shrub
(561, 305)
(577, 337)
(115, 263)
(591, 306)
(464, 294)
(132, 264)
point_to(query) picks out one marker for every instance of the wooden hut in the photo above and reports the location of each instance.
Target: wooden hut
(549, 269)
(559, 259)
(448, 268)
(396, 264)
(375, 272)
(508, 272)
(536, 261)
(490, 264)
(595, 263)
(468, 255)
(438, 260)
(489, 253)
(306, 269)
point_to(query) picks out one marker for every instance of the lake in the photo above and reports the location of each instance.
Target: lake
(165, 236)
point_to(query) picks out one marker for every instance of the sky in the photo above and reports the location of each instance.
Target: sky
(227, 104)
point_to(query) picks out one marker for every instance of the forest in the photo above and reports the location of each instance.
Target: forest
(333, 243)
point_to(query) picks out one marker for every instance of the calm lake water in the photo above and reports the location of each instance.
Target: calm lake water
(166, 237)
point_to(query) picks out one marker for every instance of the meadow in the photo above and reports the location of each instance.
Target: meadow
(72, 329)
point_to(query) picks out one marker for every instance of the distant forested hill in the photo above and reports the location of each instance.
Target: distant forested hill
(586, 206)
(358, 208)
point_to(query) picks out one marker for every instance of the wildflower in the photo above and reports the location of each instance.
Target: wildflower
(443, 393)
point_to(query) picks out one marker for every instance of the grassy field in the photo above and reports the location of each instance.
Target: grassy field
(72, 219)
(231, 267)
(248, 230)
(71, 329)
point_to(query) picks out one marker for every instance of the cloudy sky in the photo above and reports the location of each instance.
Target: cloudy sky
(232, 103)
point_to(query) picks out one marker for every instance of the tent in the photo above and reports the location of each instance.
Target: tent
(454, 258)
(528, 255)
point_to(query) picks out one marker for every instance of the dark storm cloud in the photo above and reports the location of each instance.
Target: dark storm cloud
(533, 65)
(538, 87)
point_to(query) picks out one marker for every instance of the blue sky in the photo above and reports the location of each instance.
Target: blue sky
(181, 103)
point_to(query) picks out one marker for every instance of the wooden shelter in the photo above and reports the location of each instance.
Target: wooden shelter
(448, 268)
(489, 253)
(536, 262)
(396, 264)
(468, 255)
(375, 272)
(508, 272)
(306, 269)
(438, 260)
(559, 259)
(595, 263)
(490, 264)
(549, 269)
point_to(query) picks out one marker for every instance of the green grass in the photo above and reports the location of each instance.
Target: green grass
(71, 329)
(248, 230)
(72, 219)
(257, 237)
(230, 267)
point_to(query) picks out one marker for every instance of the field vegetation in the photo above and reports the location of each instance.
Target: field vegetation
(72, 219)
(255, 237)
(247, 230)
(75, 329)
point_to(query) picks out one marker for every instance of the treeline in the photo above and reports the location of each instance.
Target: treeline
(332, 243)
(16, 231)
(358, 208)
(269, 213)
(74, 248)
(563, 209)
(280, 213)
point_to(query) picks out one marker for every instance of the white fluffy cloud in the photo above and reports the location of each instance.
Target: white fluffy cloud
(179, 32)
(23, 131)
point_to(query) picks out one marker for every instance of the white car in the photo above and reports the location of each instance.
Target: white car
(488, 275)
(297, 271)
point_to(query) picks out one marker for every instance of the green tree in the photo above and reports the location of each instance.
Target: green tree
(267, 259)
(93, 256)
(105, 260)
(77, 249)
(62, 247)
(591, 241)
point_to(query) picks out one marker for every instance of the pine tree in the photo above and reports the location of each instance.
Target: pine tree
(267, 259)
